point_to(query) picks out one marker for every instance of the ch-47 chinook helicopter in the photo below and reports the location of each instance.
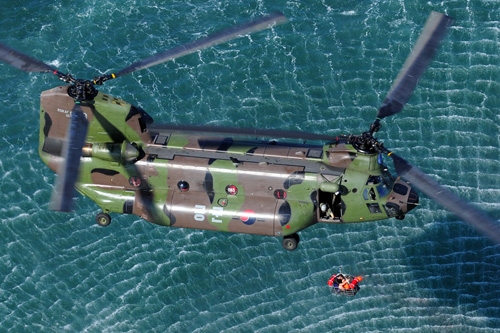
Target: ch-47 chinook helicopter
(221, 179)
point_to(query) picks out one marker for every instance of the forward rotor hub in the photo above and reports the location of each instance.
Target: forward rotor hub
(368, 144)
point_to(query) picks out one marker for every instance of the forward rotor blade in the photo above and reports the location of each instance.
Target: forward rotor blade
(22, 61)
(476, 218)
(200, 44)
(416, 64)
(62, 197)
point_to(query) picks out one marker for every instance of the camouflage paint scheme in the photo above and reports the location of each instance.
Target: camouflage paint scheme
(235, 184)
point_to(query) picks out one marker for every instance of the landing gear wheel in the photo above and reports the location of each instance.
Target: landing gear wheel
(103, 219)
(290, 242)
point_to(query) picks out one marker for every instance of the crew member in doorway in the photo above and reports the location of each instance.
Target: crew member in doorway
(326, 211)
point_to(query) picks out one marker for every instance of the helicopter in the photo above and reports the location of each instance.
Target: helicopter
(229, 179)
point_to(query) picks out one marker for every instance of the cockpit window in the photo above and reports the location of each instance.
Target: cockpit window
(388, 179)
(383, 184)
(385, 187)
(400, 189)
(374, 208)
(373, 180)
(383, 190)
(369, 194)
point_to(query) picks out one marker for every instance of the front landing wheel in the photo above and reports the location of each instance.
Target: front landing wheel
(290, 242)
(103, 219)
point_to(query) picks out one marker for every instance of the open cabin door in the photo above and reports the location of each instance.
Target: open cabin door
(329, 206)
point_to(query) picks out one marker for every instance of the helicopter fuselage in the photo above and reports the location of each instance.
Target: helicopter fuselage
(210, 178)
(217, 182)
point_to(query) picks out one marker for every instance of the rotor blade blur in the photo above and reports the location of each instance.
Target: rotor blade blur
(248, 132)
(200, 44)
(22, 61)
(62, 197)
(416, 64)
(476, 218)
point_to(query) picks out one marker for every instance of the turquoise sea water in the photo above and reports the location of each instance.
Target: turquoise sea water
(326, 71)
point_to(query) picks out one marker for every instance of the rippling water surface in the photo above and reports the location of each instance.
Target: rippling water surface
(326, 71)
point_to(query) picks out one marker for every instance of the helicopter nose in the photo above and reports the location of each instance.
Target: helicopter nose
(412, 201)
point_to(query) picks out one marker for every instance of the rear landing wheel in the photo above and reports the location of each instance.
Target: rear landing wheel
(290, 242)
(103, 219)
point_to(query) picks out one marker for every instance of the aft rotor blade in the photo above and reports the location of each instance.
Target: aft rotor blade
(251, 132)
(476, 218)
(416, 64)
(22, 61)
(62, 197)
(200, 44)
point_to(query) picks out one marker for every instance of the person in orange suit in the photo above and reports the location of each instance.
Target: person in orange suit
(345, 284)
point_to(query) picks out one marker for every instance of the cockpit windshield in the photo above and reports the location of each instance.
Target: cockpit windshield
(383, 190)
(387, 184)
(383, 184)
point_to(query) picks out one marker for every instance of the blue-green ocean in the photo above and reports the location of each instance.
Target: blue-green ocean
(326, 71)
